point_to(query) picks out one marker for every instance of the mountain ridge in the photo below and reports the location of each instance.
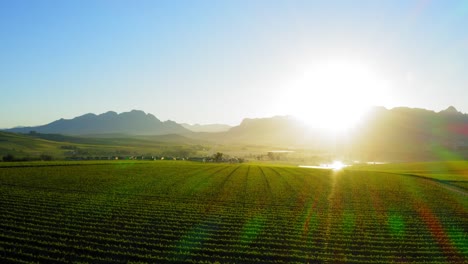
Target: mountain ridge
(135, 122)
(448, 124)
(400, 133)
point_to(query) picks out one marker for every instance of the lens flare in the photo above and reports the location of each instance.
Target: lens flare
(337, 165)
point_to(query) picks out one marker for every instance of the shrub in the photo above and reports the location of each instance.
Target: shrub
(8, 157)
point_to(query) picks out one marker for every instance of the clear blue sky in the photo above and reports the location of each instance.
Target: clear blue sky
(218, 61)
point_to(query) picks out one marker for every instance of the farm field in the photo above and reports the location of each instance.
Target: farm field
(153, 212)
(449, 173)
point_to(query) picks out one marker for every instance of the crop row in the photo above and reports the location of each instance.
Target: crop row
(174, 216)
(226, 213)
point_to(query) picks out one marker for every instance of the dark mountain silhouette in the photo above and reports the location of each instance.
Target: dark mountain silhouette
(134, 122)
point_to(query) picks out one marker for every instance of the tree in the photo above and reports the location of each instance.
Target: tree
(8, 157)
(46, 157)
(218, 156)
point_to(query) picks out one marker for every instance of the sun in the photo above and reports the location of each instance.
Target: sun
(334, 94)
(337, 165)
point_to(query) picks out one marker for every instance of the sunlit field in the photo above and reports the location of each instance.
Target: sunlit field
(153, 212)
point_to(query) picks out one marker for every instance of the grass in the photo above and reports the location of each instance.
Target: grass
(165, 211)
(60, 147)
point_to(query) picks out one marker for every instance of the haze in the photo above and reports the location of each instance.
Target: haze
(221, 61)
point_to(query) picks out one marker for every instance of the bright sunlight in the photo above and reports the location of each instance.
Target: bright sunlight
(334, 94)
(337, 165)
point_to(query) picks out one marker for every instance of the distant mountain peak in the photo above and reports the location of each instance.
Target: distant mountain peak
(134, 111)
(110, 113)
(88, 115)
(450, 110)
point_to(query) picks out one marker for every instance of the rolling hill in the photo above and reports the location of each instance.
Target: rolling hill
(34, 145)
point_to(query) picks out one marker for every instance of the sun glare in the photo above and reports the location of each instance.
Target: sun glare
(334, 94)
(337, 165)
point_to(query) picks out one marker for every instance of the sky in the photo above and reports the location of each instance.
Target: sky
(222, 61)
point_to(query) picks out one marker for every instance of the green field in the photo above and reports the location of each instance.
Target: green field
(153, 212)
(60, 147)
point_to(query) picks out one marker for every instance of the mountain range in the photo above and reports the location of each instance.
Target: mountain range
(409, 132)
(381, 134)
(134, 122)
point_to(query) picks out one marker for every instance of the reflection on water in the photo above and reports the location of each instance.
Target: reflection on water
(376, 162)
(335, 165)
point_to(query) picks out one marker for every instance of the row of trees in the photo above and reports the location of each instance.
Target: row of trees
(217, 157)
(11, 158)
(220, 157)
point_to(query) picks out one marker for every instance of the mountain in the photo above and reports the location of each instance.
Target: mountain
(134, 122)
(411, 133)
(278, 131)
(450, 111)
(207, 128)
(398, 134)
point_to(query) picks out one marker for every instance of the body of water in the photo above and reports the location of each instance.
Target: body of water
(336, 165)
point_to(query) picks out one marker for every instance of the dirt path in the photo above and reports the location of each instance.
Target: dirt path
(443, 184)
(437, 182)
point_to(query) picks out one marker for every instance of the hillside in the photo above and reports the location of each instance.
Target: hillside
(33, 145)
(23, 145)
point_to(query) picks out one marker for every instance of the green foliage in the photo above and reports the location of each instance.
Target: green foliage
(8, 157)
(218, 156)
(46, 157)
(175, 211)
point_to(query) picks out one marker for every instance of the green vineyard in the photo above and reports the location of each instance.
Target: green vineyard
(159, 212)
